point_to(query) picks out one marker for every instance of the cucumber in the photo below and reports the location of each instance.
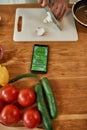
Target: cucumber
(24, 76)
(46, 119)
(50, 97)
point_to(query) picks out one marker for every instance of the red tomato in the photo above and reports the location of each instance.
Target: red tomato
(1, 104)
(31, 118)
(10, 114)
(26, 97)
(9, 94)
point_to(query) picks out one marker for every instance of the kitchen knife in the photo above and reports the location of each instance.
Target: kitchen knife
(53, 17)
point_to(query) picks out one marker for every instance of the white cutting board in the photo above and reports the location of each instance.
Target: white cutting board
(33, 18)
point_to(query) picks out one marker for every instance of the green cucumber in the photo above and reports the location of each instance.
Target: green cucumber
(50, 97)
(24, 76)
(46, 119)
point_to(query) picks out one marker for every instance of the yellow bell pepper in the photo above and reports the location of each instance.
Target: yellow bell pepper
(4, 75)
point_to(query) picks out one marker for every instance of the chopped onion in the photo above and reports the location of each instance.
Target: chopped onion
(48, 18)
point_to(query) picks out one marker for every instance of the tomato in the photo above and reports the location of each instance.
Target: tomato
(31, 118)
(1, 104)
(10, 114)
(9, 94)
(26, 97)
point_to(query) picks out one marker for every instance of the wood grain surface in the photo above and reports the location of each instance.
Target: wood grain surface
(67, 69)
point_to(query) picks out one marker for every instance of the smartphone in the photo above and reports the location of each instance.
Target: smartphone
(39, 58)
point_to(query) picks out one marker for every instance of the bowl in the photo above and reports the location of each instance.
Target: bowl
(79, 11)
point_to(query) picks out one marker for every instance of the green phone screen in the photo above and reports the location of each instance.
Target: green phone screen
(39, 58)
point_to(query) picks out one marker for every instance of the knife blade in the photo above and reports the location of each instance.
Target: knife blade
(53, 17)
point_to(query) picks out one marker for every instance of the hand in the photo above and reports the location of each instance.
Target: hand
(59, 7)
(43, 3)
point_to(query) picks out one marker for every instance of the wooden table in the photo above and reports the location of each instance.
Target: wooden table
(67, 69)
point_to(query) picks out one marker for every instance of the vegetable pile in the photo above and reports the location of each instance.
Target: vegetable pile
(19, 105)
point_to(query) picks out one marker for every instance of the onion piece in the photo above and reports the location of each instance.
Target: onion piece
(40, 31)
